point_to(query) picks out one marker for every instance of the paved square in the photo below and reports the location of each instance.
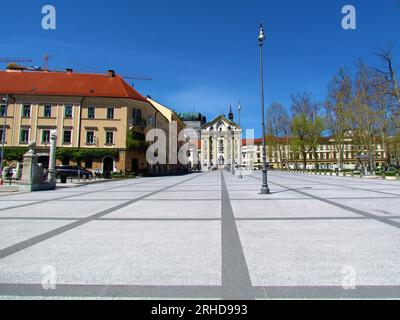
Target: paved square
(208, 235)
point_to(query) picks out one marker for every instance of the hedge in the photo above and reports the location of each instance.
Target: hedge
(16, 153)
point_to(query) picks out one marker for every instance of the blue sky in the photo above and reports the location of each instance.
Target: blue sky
(203, 55)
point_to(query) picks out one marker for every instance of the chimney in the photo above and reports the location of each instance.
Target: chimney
(111, 73)
(68, 71)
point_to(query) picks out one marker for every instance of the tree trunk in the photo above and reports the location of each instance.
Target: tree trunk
(316, 165)
(304, 160)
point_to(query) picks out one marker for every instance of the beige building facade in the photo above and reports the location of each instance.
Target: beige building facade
(99, 117)
(281, 156)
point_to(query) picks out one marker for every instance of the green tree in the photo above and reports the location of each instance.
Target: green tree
(307, 126)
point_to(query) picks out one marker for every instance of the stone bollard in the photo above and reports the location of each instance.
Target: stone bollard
(383, 175)
(344, 173)
(19, 171)
(352, 174)
(397, 176)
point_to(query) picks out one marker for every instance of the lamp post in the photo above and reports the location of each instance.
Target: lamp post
(240, 144)
(233, 151)
(3, 137)
(264, 188)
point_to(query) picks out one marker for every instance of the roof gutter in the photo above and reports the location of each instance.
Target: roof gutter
(80, 122)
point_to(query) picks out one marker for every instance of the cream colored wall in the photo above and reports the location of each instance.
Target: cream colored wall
(37, 123)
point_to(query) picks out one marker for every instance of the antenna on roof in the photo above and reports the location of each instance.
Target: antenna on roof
(14, 60)
(46, 62)
(137, 78)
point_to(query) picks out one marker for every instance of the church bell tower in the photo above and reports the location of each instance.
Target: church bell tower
(230, 116)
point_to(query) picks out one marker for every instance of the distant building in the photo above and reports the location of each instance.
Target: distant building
(220, 143)
(280, 154)
(194, 121)
(172, 118)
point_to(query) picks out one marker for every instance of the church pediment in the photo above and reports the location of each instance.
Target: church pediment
(220, 124)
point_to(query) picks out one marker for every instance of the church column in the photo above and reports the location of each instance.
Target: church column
(215, 138)
(226, 149)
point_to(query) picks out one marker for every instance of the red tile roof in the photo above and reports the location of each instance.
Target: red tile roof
(66, 84)
(248, 141)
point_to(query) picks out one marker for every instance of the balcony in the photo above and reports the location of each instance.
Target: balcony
(138, 123)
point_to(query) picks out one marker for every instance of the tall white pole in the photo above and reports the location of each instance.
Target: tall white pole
(3, 138)
(52, 160)
(265, 188)
(240, 144)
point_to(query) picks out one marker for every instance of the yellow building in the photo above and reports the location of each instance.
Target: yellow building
(101, 121)
(173, 120)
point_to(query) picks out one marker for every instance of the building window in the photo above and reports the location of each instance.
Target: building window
(110, 113)
(68, 112)
(3, 135)
(89, 137)
(137, 117)
(3, 110)
(27, 111)
(46, 136)
(109, 137)
(47, 111)
(88, 163)
(67, 136)
(91, 112)
(24, 135)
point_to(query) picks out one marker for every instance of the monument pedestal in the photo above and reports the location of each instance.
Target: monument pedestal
(33, 178)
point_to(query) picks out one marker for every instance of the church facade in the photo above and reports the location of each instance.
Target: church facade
(221, 143)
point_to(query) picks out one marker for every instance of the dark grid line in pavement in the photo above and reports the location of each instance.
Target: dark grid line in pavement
(197, 292)
(349, 180)
(67, 197)
(114, 291)
(236, 282)
(336, 185)
(52, 233)
(341, 206)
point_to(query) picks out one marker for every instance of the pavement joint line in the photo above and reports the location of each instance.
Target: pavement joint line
(62, 190)
(337, 185)
(236, 282)
(196, 219)
(55, 232)
(179, 200)
(67, 197)
(344, 207)
(348, 179)
(294, 199)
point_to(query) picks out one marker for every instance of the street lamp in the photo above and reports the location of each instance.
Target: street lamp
(3, 137)
(240, 143)
(233, 151)
(264, 188)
